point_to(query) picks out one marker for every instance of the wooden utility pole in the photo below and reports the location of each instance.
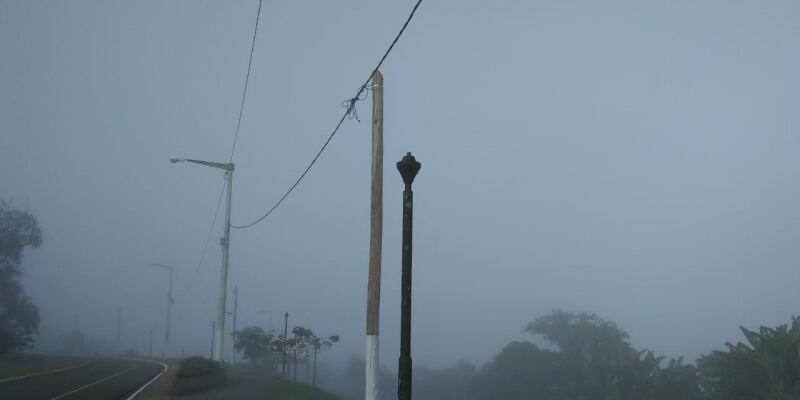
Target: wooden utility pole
(375, 239)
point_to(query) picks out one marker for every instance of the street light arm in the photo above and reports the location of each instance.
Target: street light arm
(226, 167)
(165, 266)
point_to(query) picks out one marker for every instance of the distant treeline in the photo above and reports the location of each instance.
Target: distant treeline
(594, 360)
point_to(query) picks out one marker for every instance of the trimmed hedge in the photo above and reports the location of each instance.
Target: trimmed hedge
(198, 366)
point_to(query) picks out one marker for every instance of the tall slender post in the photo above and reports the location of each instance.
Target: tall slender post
(314, 378)
(150, 352)
(169, 269)
(223, 280)
(119, 324)
(235, 307)
(306, 361)
(269, 320)
(213, 334)
(408, 168)
(294, 369)
(375, 240)
(285, 340)
(169, 306)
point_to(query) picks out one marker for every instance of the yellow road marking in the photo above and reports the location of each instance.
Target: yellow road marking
(53, 371)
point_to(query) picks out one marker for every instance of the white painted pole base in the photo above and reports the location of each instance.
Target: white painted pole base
(371, 390)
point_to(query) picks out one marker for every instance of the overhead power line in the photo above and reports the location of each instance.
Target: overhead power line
(350, 107)
(246, 81)
(233, 147)
(208, 238)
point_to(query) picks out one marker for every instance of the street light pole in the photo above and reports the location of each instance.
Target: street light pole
(269, 320)
(150, 352)
(119, 324)
(223, 280)
(235, 310)
(170, 300)
(213, 337)
(216, 354)
(408, 168)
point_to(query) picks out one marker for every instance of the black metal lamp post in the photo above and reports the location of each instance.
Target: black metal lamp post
(408, 168)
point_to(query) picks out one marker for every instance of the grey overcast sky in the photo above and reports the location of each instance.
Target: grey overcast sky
(636, 159)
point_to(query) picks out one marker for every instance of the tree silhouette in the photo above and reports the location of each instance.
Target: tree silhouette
(19, 318)
(767, 367)
(254, 344)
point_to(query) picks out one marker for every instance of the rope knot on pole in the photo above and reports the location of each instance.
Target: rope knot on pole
(350, 104)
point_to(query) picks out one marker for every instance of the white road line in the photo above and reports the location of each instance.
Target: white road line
(136, 393)
(94, 383)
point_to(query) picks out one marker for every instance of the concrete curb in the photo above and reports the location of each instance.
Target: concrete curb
(54, 371)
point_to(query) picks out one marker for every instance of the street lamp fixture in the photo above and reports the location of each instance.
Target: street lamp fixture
(408, 167)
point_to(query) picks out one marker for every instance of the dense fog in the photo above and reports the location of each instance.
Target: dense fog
(632, 160)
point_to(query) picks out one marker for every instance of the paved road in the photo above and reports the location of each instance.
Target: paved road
(102, 379)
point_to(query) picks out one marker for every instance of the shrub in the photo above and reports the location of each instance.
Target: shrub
(196, 366)
(131, 354)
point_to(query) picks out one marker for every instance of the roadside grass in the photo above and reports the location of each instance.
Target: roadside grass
(247, 383)
(15, 365)
(282, 389)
